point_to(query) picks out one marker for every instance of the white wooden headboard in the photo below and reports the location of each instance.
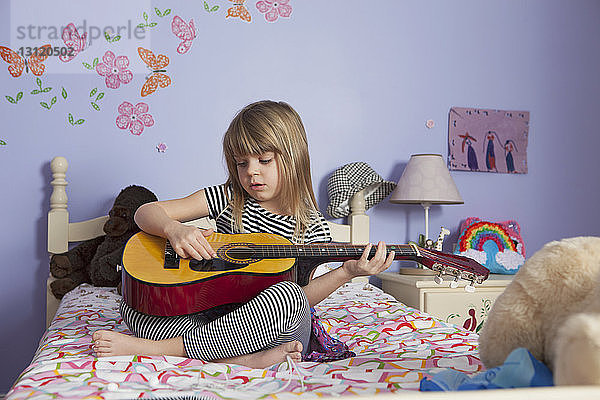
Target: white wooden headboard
(61, 231)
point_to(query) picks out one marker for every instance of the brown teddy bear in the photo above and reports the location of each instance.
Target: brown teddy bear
(551, 308)
(95, 261)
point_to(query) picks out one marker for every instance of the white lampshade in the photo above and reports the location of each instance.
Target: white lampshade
(426, 180)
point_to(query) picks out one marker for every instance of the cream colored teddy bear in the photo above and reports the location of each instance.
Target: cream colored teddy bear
(552, 308)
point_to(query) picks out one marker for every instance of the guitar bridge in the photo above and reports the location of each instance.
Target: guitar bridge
(171, 257)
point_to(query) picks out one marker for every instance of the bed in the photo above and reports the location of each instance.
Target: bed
(396, 346)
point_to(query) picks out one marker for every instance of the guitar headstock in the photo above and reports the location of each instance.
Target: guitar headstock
(453, 265)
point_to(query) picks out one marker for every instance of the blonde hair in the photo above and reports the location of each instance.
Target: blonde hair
(268, 126)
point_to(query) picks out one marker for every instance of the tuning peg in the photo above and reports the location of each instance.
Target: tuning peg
(438, 279)
(470, 288)
(454, 283)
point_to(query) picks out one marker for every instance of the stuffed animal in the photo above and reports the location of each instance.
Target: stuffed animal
(551, 308)
(95, 261)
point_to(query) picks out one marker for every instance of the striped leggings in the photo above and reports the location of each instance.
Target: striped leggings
(277, 315)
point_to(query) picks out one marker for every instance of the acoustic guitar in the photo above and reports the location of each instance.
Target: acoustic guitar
(156, 281)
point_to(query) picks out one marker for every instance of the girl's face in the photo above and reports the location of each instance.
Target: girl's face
(259, 176)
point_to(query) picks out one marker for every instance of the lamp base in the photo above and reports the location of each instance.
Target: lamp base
(415, 271)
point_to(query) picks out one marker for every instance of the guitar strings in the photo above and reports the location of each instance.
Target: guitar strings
(334, 249)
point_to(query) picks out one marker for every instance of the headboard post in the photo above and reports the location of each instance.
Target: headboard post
(58, 217)
(358, 220)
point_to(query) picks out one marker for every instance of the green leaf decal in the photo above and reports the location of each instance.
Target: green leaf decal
(96, 106)
(79, 121)
(19, 96)
(88, 66)
(2, 142)
(35, 91)
(157, 12)
(39, 82)
(209, 8)
(71, 118)
(100, 96)
(45, 105)
(64, 93)
(53, 100)
(116, 38)
(46, 90)
(10, 99)
(95, 62)
(152, 24)
(145, 16)
(93, 92)
(167, 12)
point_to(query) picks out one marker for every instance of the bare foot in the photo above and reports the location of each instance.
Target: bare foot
(266, 358)
(109, 343)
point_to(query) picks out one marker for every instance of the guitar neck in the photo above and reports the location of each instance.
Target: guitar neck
(329, 252)
(442, 263)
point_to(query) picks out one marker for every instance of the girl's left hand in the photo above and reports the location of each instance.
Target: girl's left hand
(365, 267)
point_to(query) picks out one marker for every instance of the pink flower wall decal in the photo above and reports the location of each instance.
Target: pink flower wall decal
(115, 69)
(134, 118)
(274, 9)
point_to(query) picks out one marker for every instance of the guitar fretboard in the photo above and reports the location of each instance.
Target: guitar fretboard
(315, 251)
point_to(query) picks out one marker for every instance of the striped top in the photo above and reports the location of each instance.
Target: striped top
(255, 219)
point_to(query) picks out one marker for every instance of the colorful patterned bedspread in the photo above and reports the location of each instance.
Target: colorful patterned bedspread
(396, 346)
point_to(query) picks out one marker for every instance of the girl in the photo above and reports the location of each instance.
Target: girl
(269, 189)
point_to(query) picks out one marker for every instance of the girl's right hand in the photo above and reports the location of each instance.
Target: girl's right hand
(189, 241)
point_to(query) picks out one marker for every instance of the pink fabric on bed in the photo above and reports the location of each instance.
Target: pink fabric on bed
(396, 346)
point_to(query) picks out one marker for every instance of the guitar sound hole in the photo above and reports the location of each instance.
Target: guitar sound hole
(240, 253)
(214, 264)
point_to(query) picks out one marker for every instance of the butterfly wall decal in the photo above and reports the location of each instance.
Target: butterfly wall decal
(33, 63)
(157, 65)
(74, 42)
(239, 10)
(184, 31)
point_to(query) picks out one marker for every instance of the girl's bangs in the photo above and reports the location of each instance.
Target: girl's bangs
(245, 143)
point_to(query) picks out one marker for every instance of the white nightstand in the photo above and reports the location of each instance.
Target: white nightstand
(452, 305)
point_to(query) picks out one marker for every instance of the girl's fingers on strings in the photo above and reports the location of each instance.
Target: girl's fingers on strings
(188, 251)
(196, 255)
(180, 251)
(198, 251)
(203, 245)
(379, 259)
(388, 262)
(381, 250)
(365, 254)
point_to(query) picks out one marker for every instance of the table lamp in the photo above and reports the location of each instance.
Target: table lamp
(426, 181)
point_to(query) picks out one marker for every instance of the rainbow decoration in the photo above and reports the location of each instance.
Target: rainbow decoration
(478, 233)
(496, 245)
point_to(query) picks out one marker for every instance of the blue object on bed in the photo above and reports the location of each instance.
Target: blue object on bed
(520, 369)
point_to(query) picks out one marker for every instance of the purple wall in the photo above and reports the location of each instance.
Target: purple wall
(364, 76)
